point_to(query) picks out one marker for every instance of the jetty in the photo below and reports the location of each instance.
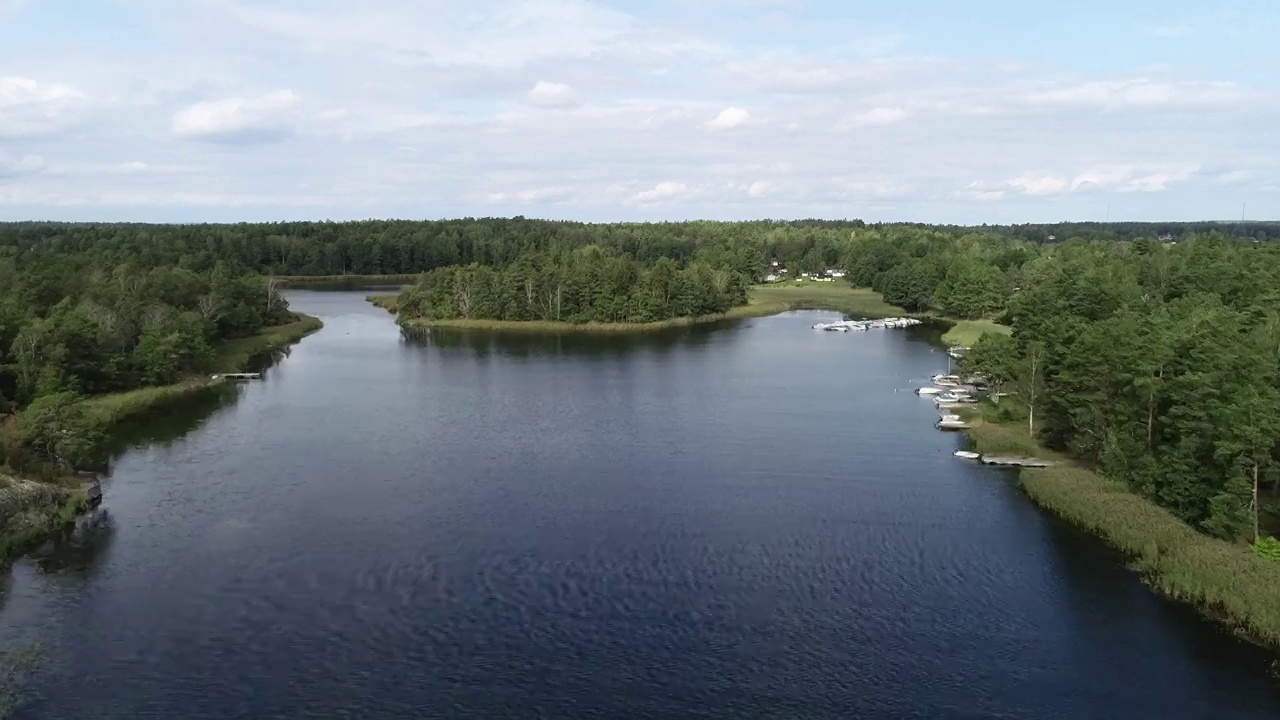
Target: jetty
(1025, 462)
(237, 376)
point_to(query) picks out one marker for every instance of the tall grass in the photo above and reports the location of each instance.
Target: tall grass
(235, 355)
(1225, 580)
(349, 281)
(390, 303)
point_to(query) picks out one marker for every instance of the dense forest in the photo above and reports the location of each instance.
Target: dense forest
(73, 324)
(1149, 351)
(587, 285)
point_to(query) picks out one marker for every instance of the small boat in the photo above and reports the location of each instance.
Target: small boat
(929, 391)
(968, 454)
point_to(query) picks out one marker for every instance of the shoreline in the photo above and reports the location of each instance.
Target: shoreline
(763, 301)
(1221, 581)
(35, 509)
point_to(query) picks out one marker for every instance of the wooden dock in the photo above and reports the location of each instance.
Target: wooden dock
(1017, 461)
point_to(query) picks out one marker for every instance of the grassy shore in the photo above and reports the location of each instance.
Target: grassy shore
(390, 303)
(305, 281)
(106, 411)
(1225, 581)
(838, 296)
(30, 510)
(762, 300)
(966, 332)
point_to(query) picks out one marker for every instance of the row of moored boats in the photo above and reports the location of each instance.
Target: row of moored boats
(862, 325)
(950, 392)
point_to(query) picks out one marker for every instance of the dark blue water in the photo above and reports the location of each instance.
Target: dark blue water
(747, 521)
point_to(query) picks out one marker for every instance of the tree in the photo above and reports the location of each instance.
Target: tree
(995, 358)
(53, 433)
(1031, 381)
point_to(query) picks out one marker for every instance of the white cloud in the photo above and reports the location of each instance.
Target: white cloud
(1045, 185)
(132, 166)
(730, 117)
(29, 107)
(1142, 93)
(238, 119)
(550, 94)
(529, 196)
(662, 191)
(759, 188)
(876, 117)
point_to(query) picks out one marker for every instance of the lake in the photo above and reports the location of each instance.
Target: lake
(745, 520)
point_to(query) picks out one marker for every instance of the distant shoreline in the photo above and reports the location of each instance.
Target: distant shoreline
(764, 300)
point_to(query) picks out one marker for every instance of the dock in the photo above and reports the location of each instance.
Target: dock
(1017, 461)
(953, 425)
(237, 376)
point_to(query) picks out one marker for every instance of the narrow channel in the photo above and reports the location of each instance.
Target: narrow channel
(747, 520)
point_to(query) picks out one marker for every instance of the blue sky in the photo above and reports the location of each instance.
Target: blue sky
(920, 110)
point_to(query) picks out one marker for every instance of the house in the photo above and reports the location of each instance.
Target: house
(772, 277)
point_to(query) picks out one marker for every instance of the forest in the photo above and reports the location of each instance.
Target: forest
(1148, 351)
(586, 285)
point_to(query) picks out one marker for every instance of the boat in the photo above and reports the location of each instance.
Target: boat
(968, 455)
(929, 391)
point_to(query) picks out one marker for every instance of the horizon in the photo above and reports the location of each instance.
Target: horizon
(594, 111)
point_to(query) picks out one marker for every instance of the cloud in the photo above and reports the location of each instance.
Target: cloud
(529, 196)
(132, 166)
(29, 107)
(1046, 185)
(759, 188)
(237, 119)
(876, 117)
(12, 167)
(662, 191)
(550, 94)
(1119, 178)
(728, 118)
(1142, 93)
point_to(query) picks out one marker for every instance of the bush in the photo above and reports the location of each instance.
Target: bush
(1267, 547)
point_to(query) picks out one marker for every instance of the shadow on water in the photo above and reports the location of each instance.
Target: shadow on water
(482, 343)
(1092, 592)
(169, 423)
(79, 549)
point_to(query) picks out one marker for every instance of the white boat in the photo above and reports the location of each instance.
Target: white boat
(929, 391)
(968, 454)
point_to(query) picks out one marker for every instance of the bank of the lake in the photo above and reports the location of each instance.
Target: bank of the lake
(1226, 582)
(31, 509)
(763, 300)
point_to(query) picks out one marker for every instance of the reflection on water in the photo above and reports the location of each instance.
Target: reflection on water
(78, 549)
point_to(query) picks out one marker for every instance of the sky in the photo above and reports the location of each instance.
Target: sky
(984, 111)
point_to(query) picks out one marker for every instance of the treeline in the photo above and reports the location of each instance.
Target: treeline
(1158, 365)
(410, 247)
(587, 285)
(71, 328)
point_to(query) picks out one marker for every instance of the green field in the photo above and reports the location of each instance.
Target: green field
(966, 332)
(838, 296)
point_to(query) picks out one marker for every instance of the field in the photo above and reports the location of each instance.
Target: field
(838, 296)
(966, 332)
